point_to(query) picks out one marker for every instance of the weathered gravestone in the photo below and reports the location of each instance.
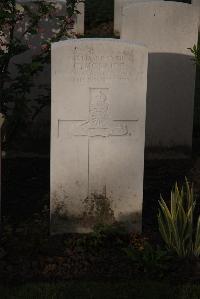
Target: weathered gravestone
(118, 8)
(168, 29)
(196, 2)
(98, 129)
(78, 18)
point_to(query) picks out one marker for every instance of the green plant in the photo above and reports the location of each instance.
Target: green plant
(195, 50)
(176, 223)
(72, 7)
(153, 261)
(19, 24)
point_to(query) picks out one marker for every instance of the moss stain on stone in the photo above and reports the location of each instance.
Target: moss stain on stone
(98, 206)
(97, 210)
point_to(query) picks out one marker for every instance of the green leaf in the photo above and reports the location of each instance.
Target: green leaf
(176, 224)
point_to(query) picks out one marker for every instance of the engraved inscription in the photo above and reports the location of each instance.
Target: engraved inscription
(89, 66)
(100, 122)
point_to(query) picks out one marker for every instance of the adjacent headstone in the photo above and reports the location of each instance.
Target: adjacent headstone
(196, 2)
(118, 8)
(168, 29)
(80, 19)
(97, 134)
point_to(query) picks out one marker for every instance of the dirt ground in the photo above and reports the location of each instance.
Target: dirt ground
(30, 254)
(25, 187)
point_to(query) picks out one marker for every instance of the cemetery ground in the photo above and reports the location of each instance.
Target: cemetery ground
(97, 265)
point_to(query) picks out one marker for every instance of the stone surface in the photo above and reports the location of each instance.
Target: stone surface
(118, 8)
(196, 2)
(168, 29)
(80, 20)
(97, 133)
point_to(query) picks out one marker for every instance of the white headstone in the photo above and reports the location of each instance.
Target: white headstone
(97, 133)
(80, 19)
(168, 29)
(196, 2)
(118, 8)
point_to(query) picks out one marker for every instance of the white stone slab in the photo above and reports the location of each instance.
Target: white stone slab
(97, 133)
(80, 19)
(168, 29)
(118, 8)
(196, 2)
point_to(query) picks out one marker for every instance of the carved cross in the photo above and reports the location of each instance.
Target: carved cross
(99, 122)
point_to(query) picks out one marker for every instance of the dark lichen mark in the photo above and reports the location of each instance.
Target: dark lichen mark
(97, 210)
(98, 206)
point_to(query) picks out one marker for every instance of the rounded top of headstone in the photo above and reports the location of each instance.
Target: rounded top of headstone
(93, 41)
(164, 26)
(155, 3)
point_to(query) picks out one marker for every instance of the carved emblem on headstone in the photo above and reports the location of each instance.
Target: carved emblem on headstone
(99, 122)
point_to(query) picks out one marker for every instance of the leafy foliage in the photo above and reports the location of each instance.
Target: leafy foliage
(176, 224)
(72, 7)
(196, 52)
(19, 24)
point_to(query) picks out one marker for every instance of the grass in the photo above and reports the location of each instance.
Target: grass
(99, 290)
